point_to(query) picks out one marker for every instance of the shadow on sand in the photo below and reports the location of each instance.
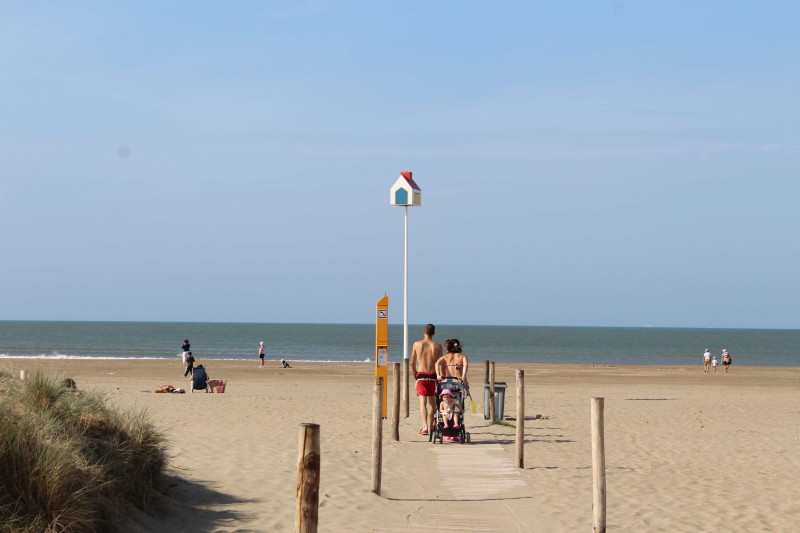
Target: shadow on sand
(191, 506)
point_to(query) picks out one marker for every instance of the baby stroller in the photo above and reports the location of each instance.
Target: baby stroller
(440, 432)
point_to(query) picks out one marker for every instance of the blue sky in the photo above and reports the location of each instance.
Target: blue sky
(582, 163)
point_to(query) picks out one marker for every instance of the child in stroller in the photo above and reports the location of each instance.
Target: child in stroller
(449, 409)
(450, 398)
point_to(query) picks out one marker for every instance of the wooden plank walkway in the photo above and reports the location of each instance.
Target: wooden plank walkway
(484, 477)
(485, 472)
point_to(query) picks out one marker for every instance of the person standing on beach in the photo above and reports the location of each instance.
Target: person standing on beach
(424, 356)
(261, 353)
(706, 360)
(189, 364)
(185, 347)
(726, 359)
(714, 364)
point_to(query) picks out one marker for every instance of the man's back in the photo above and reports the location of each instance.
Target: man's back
(427, 352)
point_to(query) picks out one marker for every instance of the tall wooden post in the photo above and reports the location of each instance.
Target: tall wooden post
(377, 435)
(492, 411)
(486, 390)
(405, 388)
(598, 468)
(308, 468)
(396, 402)
(520, 460)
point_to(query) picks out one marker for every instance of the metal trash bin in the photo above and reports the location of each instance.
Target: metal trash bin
(499, 399)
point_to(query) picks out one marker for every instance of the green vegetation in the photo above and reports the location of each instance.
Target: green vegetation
(506, 423)
(68, 461)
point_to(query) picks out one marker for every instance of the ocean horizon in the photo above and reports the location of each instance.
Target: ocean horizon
(356, 342)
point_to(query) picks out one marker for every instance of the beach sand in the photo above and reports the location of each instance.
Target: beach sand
(685, 450)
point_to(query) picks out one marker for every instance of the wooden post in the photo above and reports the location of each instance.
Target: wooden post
(308, 467)
(485, 390)
(520, 462)
(492, 411)
(23, 375)
(598, 468)
(405, 388)
(377, 435)
(396, 402)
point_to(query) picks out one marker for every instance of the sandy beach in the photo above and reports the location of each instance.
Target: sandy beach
(685, 450)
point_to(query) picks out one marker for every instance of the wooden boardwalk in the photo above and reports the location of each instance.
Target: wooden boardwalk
(484, 479)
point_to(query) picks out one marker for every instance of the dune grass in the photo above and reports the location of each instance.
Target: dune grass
(69, 462)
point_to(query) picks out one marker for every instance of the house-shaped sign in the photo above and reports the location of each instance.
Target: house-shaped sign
(405, 191)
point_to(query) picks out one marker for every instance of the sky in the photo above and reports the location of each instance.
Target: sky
(582, 163)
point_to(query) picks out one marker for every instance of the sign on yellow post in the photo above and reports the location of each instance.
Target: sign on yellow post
(382, 344)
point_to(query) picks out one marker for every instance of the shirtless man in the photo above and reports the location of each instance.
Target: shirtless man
(424, 356)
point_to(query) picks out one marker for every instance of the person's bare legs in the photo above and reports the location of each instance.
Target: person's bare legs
(423, 413)
(427, 407)
(431, 410)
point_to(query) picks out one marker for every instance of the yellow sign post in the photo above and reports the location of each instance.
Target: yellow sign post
(382, 344)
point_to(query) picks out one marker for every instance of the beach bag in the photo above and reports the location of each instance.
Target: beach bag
(217, 385)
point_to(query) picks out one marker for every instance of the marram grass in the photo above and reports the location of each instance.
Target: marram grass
(69, 462)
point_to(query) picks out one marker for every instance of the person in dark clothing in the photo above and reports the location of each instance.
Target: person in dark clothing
(189, 364)
(200, 379)
(185, 347)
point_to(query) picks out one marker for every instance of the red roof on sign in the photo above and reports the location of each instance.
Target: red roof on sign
(407, 175)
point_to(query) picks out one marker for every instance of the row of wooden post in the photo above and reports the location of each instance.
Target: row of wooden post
(308, 461)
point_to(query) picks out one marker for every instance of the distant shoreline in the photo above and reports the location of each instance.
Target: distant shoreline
(473, 364)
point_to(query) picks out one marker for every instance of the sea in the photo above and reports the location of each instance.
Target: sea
(336, 343)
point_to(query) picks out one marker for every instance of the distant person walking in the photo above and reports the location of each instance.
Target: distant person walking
(706, 360)
(714, 363)
(185, 347)
(261, 353)
(424, 356)
(189, 364)
(726, 359)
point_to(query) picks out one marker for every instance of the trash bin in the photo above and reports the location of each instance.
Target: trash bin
(499, 399)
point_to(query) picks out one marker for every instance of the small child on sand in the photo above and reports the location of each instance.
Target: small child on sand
(714, 364)
(449, 408)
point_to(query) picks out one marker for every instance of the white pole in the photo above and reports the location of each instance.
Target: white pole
(405, 289)
(405, 317)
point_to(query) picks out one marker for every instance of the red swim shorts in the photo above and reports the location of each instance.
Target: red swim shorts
(426, 383)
